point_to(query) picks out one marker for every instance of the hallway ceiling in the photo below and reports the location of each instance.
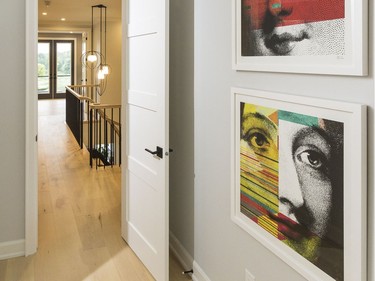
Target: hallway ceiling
(76, 12)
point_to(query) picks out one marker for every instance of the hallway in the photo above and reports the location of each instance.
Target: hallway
(79, 214)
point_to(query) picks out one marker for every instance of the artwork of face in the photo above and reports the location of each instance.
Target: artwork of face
(293, 27)
(291, 181)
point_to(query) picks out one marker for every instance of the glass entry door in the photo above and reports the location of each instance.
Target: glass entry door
(55, 67)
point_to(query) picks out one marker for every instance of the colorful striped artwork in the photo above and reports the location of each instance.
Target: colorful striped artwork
(291, 180)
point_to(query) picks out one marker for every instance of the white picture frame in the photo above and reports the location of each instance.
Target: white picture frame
(352, 59)
(354, 186)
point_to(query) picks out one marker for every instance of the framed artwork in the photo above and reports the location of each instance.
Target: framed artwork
(301, 36)
(299, 180)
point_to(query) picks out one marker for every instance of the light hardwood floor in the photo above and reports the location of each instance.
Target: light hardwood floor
(79, 215)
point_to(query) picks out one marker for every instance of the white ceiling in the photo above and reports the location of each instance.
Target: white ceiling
(76, 12)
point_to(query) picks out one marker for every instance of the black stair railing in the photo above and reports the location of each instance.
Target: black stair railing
(77, 100)
(105, 134)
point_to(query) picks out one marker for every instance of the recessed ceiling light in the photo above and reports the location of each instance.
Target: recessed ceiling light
(44, 13)
(71, 31)
(63, 19)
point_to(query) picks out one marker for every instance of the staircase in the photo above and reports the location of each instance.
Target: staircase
(95, 126)
(105, 134)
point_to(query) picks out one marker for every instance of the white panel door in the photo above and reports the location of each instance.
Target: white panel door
(145, 221)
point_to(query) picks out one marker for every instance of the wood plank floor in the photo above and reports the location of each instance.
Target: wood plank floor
(79, 215)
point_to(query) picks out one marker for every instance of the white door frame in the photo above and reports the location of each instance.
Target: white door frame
(31, 119)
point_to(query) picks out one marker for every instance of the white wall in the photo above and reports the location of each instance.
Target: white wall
(221, 248)
(181, 108)
(12, 121)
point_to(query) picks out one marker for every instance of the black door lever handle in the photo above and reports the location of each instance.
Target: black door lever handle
(158, 152)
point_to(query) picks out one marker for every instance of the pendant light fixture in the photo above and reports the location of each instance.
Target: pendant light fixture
(96, 59)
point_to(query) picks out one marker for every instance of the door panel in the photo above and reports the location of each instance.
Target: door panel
(144, 227)
(144, 63)
(142, 163)
(144, 10)
(64, 54)
(146, 222)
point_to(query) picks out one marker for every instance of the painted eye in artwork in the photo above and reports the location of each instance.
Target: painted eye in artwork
(258, 140)
(312, 158)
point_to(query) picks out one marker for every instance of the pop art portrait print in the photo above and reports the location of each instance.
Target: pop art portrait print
(293, 27)
(294, 187)
(299, 31)
(291, 169)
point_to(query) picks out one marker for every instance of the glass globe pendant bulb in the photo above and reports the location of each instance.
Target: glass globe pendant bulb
(105, 69)
(100, 74)
(91, 58)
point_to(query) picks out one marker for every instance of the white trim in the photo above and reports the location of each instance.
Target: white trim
(75, 30)
(371, 172)
(180, 252)
(12, 249)
(31, 155)
(124, 120)
(199, 274)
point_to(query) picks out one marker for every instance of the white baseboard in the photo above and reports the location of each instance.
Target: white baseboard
(199, 274)
(186, 259)
(12, 249)
(180, 252)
